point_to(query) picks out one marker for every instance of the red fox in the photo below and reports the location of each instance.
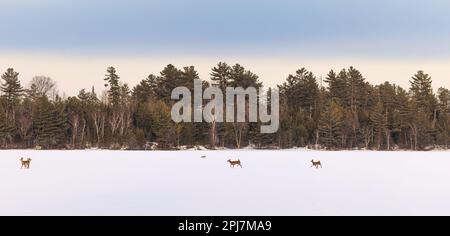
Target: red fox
(235, 163)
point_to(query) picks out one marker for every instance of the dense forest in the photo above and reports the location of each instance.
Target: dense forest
(345, 112)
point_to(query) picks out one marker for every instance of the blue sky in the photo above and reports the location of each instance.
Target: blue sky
(320, 28)
(387, 40)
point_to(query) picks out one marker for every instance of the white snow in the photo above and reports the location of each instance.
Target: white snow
(194, 148)
(182, 183)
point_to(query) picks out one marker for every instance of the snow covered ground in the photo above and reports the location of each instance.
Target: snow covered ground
(182, 183)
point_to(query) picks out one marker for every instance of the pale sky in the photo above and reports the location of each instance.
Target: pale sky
(74, 42)
(75, 72)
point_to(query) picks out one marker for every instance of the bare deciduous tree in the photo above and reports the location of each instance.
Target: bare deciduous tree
(43, 86)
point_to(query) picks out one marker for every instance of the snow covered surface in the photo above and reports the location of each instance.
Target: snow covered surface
(182, 183)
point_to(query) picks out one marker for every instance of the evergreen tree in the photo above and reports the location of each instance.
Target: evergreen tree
(50, 125)
(221, 78)
(379, 123)
(12, 92)
(188, 75)
(337, 84)
(444, 117)
(356, 89)
(422, 91)
(11, 88)
(170, 79)
(6, 130)
(240, 77)
(220, 75)
(357, 113)
(302, 96)
(330, 125)
(143, 92)
(424, 98)
(112, 80)
(83, 96)
(160, 124)
(403, 117)
(301, 91)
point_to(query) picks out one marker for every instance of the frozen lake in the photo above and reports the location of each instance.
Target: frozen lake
(182, 183)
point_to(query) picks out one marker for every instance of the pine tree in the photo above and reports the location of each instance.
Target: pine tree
(422, 90)
(387, 96)
(11, 88)
(12, 92)
(301, 91)
(220, 75)
(215, 132)
(6, 130)
(403, 117)
(188, 75)
(424, 98)
(302, 94)
(330, 125)
(92, 96)
(356, 88)
(124, 94)
(160, 124)
(49, 125)
(112, 80)
(358, 114)
(170, 79)
(444, 117)
(258, 138)
(337, 84)
(240, 77)
(143, 92)
(83, 96)
(379, 123)
(334, 85)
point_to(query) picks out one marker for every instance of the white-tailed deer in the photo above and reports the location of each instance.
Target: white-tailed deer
(316, 164)
(235, 163)
(25, 163)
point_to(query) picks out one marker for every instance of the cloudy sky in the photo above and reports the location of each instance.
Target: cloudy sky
(74, 42)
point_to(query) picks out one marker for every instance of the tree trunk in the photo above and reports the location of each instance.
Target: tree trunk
(213, 134)
(82, 132)
(388, 139)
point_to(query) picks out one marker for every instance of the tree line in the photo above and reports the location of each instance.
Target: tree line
(346, 112)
